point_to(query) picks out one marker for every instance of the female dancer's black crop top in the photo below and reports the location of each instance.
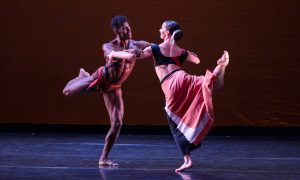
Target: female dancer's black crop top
(160, 59)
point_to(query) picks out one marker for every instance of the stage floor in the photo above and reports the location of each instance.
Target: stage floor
(75, 156)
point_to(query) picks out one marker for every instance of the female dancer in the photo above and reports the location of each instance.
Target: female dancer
(188, 97)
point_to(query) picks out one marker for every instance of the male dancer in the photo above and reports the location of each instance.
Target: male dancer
(109, 78)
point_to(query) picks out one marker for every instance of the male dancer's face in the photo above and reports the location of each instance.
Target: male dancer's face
(124, 32)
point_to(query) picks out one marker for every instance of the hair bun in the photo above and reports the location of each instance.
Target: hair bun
(177, 34)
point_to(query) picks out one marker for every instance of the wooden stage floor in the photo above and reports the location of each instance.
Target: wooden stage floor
(75, 156)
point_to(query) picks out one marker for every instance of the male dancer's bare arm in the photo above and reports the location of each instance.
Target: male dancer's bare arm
(141, 45)
(110, 53)
(128, 54)
(107, 49)
(139, 53)
(121, 55)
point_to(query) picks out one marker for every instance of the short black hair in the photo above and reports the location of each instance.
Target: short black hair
(117, 22)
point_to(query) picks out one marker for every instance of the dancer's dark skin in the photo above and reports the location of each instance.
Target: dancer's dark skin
(120, 68)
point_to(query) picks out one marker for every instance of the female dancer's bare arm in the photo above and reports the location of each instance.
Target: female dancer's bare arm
(141, 54)
(192, 57)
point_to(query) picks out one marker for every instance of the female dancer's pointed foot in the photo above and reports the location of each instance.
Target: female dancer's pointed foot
(224, 60)
(83, 73)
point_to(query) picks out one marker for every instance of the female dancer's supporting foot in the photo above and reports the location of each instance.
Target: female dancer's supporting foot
(187, 163)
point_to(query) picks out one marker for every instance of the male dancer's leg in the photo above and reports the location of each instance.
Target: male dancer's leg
(78, 84)
(115, 108)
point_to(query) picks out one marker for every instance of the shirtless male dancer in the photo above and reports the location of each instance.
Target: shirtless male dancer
(109, 78)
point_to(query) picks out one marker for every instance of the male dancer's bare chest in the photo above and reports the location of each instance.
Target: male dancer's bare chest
(124, 63)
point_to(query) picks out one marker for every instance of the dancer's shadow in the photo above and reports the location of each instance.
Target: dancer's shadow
(185, 175)
(104, 170)
(199, 175)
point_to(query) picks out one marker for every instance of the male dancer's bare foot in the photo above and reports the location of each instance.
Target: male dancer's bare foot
(187, 164)
(107, 163)
(83, 73)
(224, 60)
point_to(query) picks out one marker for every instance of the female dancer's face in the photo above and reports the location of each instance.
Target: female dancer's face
(164, 32)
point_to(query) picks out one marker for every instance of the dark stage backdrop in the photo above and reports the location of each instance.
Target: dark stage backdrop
(44, 43)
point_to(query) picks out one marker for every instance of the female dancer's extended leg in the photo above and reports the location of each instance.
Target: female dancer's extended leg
(219, 71)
